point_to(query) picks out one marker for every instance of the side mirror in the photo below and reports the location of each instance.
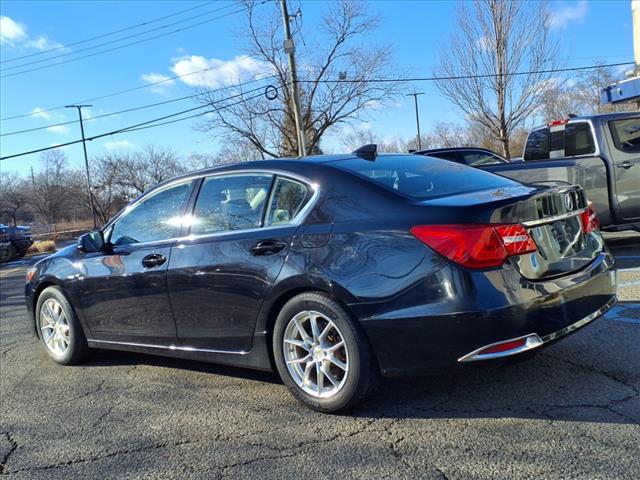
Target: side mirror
(92, 241)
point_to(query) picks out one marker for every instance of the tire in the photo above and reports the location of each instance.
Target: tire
(58, 327)
(9, 254)
(339, 388)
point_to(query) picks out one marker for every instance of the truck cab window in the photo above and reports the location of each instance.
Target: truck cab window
(537, 145)
(578, 139)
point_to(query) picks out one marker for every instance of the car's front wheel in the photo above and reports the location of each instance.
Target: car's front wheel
(59, 329)
(322, 355)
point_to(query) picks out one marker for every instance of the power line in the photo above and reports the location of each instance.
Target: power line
(110, 42)
(462, 77)
(137, 42)
(114, 32)
(120, 92)
(149, 123)
(140, 107)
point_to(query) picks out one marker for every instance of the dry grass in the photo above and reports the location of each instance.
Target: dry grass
(42, 247)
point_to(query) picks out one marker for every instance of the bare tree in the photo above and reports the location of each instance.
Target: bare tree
(51, 191)
(14, 196)
(268, 126)
(137, 172)
(493, 40)
(589, 86)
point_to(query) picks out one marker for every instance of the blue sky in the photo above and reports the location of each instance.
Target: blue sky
(588, 31)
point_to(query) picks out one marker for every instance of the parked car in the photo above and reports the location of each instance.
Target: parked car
(601, 153)
(17, 242)
(472, 156)
(5, 243)
(330, 270)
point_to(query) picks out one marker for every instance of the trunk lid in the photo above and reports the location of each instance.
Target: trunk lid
(550, 214)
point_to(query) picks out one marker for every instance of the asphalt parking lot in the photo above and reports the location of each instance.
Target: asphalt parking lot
(571, 412)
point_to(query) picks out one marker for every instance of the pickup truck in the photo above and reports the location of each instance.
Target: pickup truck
(601, 153)
(14, 242)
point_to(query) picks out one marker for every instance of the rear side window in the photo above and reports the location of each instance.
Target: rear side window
(626, 134)
(423, 177)
(578, 139)
(230, 202)
(286, 202)
(477, 159)
(537, 145)
(451, 156)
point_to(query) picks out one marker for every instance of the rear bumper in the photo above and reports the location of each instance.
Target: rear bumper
(531, 341)
(477, 309)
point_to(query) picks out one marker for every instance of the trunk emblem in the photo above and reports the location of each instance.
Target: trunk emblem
(568, 201)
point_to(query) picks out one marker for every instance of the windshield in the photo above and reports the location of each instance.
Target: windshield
(423, 177)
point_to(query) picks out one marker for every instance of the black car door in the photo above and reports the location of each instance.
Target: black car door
(123, 292)
(241, 229)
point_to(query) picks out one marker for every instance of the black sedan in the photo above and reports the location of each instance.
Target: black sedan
(330, 270)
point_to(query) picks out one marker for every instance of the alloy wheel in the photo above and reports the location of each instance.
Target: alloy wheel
(316, 354)
(54, 326)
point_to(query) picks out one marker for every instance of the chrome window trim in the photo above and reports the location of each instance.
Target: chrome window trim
(170, 347)
(555, 218)
(295, 222)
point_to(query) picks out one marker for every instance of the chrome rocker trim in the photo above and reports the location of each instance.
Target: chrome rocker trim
(169, 347)
(533, 340)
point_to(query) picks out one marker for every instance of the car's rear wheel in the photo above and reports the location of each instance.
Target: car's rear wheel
(59, 329)
(322, 355)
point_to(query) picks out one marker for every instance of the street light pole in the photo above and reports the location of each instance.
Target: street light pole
(289, 49)
(86, 161)
(415, 99)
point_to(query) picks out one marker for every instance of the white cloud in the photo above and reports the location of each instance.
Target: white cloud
(11, 32)
(61, 129)
(40, 113)
(562, 14)
(43, 43)
(15, 34)
(162, 82)
(118, 145)
(219, 73)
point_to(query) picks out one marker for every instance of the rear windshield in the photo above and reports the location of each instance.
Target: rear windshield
(626, 134)
(423, 177)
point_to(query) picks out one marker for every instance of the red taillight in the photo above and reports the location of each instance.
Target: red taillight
(504, 346)
(555, 123)
(476, 246)
(589, 220)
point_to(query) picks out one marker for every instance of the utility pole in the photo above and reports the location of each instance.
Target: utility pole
(415, 99)
(289, 49)
(86, 161)
(33, 180)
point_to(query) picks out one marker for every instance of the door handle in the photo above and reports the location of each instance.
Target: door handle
(153, 260)
(626, 165)
(267, 247)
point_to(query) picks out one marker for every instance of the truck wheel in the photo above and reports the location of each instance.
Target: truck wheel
(8, 254)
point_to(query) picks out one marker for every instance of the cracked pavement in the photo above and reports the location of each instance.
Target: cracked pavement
(572, 411)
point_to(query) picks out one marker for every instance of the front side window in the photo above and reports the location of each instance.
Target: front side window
(537, 145)
(626, 134)
(157, 217)
(231, 202)
(287, 200)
